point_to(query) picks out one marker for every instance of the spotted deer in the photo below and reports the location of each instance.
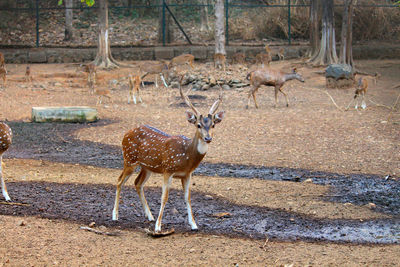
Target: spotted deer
(280, 53)
(263, 59)
(28, 74)
(2, 61)
(182, 60)
(172, 156)
(134, 89)
(3, 76)
(239, 58)
(91, 71)
(361, 90)
(157, 69)
(270, 77)
(5, 142)
(219, 61)
(101, 94)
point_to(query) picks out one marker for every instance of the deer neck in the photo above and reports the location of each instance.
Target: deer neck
(290, 76)
(198, 148)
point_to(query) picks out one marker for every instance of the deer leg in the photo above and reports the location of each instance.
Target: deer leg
(186, 189)
(163, 80)
(126, 173)
(252, 93)
(140, 180)
(276, 96)
(351, 102)
(363, 104)
(164, 199)
(287, 100)
(3, 184)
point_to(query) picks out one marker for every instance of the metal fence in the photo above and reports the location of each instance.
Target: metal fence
(41, 23)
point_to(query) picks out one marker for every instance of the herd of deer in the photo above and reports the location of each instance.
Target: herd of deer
(172, 156)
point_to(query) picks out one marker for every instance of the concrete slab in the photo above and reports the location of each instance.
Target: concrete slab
(64, 114)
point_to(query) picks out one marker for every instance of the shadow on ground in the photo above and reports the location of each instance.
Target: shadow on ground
(55, 142)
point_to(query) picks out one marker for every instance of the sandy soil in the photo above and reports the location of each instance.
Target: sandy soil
(310, 134)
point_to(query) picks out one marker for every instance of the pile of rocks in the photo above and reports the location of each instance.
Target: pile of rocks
(204, 83)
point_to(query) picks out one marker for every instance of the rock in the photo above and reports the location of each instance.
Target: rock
(339, 71)
(226, 87)
(21, 223)
(175, 211)
(174, 84)
(309, 180)
(64, 114)
(208, 197)
(240, 85)
(205, 87)
(371, 206)
(92, 224)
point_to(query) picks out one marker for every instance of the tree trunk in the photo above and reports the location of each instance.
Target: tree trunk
(220, 27)
(69, 4)
(315, 18)
(327, 51)
(104, 58)
(204, 23)
(346, 48)
(169, 35)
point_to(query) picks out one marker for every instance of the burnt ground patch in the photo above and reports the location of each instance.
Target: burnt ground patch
(94, 203)
(55, 142)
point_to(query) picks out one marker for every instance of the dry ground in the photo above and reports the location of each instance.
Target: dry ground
(310, 134)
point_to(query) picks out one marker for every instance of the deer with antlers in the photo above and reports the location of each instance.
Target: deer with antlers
(134, 88)
(270, 77)
(172, 156)
(5, 142)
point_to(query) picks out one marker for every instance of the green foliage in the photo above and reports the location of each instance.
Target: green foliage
(88, 2)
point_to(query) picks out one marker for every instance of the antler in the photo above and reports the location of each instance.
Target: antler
(215, 106)
(186, 99)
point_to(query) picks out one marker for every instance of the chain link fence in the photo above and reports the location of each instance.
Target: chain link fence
(41, 23)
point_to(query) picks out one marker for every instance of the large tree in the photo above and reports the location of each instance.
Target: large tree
(220, 27)
(69, 4)
(204, 23)
(346, 48)
(327, 50)
(104, 58)
(315, 18)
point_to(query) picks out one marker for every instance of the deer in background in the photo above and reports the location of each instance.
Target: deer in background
(270, 77)
(157, 69)
(219, 61)
(172, 156)
(91, 71)
(280, 53)
(3, 76)
(102, 93)
(182, 60)
(3, 71)
(361, 90)
(239, 58)
(28, 74)
(263, 59)
(134, 88)
(2, 61)
(5, 142)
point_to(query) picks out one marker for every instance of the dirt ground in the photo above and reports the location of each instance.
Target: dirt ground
(311, 134)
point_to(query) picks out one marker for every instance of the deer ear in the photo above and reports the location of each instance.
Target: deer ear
(294, 70)
(191, 117)
(219, 116)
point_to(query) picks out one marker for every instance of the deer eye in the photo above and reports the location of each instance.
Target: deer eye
(198, 126)
(212, 126)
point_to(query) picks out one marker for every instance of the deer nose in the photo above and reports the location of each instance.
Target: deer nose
(208, 139)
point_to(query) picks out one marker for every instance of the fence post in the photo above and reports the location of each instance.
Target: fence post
(226, 22)
(289, 30)
(163, 22)
(37, 23)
